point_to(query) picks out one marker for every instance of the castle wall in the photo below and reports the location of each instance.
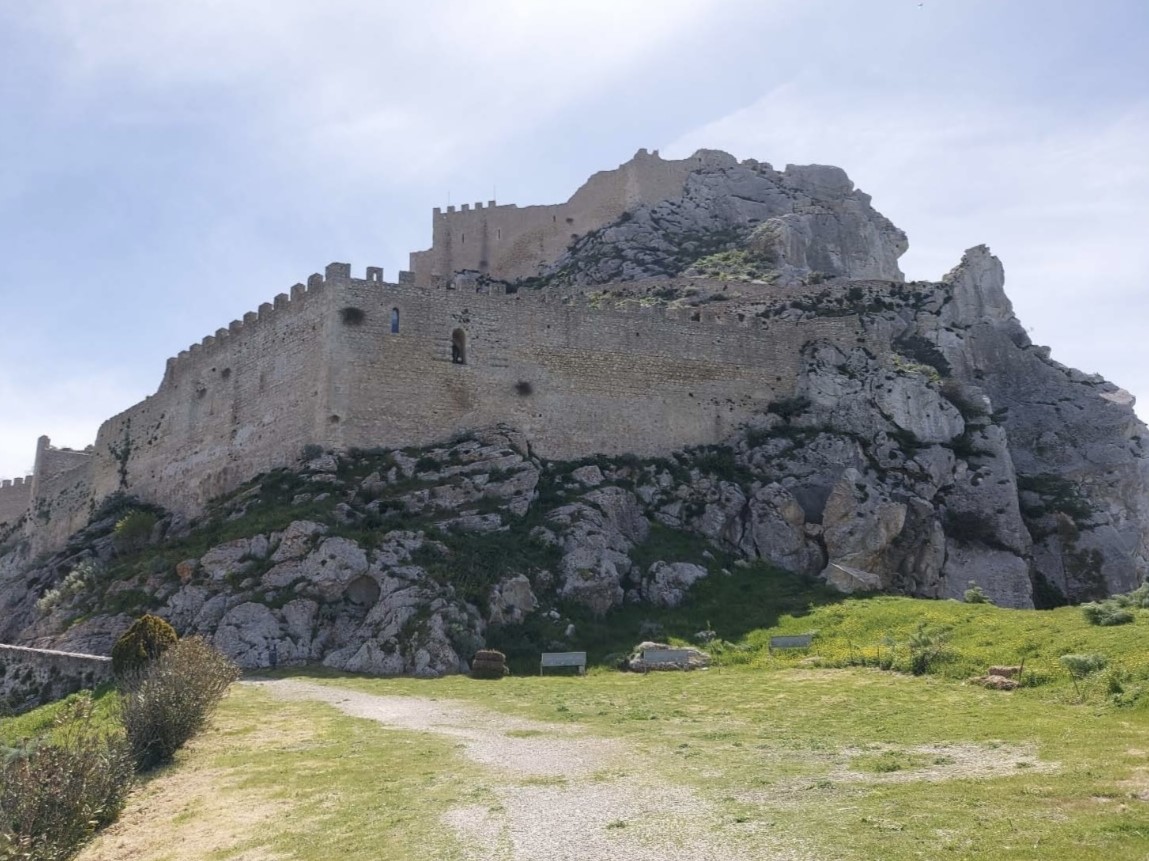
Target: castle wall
(324, 367)
(577, 379)
(61, 494)
(510, 242)
(243, 401)
(15, 497)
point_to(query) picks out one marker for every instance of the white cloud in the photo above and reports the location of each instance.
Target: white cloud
(1062, 199)
(364, 89)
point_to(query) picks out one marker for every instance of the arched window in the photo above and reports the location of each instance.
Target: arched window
(394, 321)
(459, 347)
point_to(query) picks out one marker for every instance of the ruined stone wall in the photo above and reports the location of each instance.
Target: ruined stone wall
(15, 497)
(577, 379)
(61, 504)
(32, 677)
(510, 242)
(243, 401)
(61, 497)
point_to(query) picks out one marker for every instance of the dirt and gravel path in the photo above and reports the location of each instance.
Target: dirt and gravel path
(563, 794)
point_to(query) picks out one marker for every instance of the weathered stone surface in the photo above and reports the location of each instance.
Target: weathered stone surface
(859, 525)
(296, 541)
(596, 535)
(904, 437)
(511, 600)
(666, 583)
(225, 560)
(1003, 576)
(801, 220)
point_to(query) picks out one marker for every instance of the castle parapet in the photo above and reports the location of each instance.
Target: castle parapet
(284, 303)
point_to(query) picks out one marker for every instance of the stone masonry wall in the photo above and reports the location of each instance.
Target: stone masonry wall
(324, 367)
(15, 497)
(61, 497)
(577, 379)
(510, 242)
(243, 401)
(31, 677)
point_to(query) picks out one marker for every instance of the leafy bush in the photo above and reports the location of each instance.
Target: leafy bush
(147, 639)
(926, 646)
(54, 796)
(1080, 667)
(925, 352)
(170, 699)
(787, 408)
(488, 664)
(1106, 613)
(975, 595)
(134, 530)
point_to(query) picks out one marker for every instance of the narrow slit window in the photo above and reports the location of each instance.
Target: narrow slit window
(394, 321)
(459, 347)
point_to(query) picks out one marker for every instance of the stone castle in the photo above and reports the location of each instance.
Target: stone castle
(343, 362)
(668, 304)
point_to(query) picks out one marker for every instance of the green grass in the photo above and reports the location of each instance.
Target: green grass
(861, 764)
(844, 763)
(353, 791)
(41, 722)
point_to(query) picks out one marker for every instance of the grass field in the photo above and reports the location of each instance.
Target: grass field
(820, 753)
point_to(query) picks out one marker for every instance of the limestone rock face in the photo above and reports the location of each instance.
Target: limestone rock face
(596, 536)
(512, 600)
(1077, 447)
(666, 584)
(793, 222)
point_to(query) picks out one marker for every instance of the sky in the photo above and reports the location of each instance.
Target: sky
(166, 167)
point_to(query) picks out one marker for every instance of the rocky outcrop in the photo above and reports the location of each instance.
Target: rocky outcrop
(744, 220)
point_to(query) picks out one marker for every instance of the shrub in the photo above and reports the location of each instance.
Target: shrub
(134, 530)
(1106, 613)
(1080, 667)
(78, 580)
(53, 797)
(974, 595)
(170, 699)
(926, 646)
(787, 408)
(147, 639)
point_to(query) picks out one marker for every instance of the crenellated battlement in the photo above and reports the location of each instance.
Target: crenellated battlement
(300, 299)
(15, 497)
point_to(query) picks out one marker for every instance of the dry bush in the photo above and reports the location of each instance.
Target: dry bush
(995, 682)
(170, 699)
(54, 796)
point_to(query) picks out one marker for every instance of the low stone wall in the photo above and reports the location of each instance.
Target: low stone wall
(32, 677)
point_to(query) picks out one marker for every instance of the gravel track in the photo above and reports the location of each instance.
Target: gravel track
(563, 795)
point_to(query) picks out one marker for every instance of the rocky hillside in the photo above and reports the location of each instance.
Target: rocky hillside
(959, 453)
